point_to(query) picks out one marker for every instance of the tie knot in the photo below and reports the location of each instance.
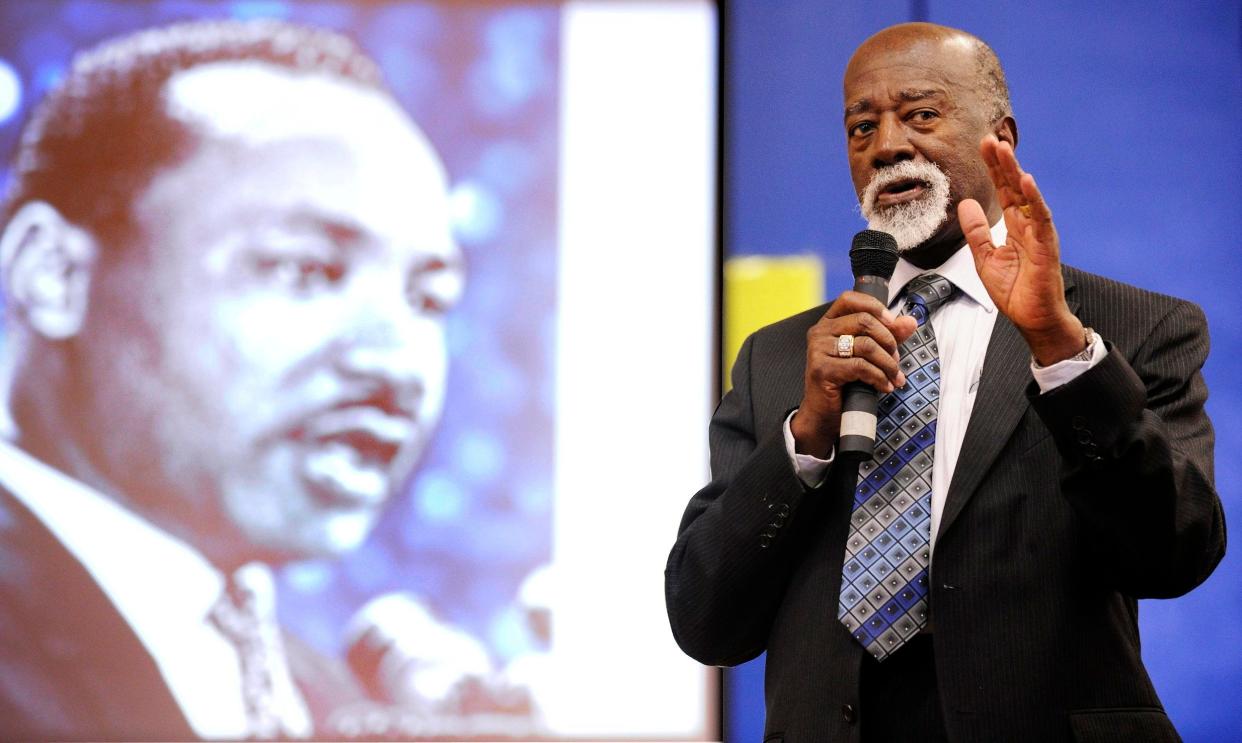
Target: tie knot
(236, 613)
(925, 294)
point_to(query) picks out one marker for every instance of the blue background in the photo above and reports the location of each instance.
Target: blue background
(1128, 115)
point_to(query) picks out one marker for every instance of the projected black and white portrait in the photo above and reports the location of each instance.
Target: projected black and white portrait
(297, 309)
(228, 262)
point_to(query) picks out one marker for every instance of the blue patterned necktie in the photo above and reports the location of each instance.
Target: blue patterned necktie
(884, 578)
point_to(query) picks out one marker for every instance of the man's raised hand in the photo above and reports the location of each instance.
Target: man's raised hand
(1023, 276)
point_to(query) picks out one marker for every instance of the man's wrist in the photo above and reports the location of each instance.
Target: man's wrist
(1070, 339)
(1049, 378)
(809, 438)
(810, 470)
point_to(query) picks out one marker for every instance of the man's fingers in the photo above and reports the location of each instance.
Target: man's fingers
(858, 324)
(1040, 214)
(1003, 172)
(1009, 170)
(851, 302)
(876, 332)
(839, 372)
(871, 342)
(869, 350)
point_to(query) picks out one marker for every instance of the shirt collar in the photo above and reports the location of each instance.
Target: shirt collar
(959, 268)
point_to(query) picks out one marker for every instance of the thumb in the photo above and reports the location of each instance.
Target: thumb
(904, 327)
(975, 227)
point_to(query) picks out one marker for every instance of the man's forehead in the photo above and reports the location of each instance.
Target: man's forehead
(265, 108)
(909, 69)
(278, 144)
(914, 41)
(949, 56)
(256, 102)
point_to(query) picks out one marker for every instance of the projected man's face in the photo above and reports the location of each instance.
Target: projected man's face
(274, 354)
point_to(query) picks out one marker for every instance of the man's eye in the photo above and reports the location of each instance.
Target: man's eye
(862, 128)
(301, 274)
(924, 114)
(435, 287)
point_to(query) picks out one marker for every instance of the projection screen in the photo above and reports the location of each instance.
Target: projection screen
(399, 363)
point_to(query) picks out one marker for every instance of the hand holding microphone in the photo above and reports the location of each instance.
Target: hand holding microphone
(867, 357)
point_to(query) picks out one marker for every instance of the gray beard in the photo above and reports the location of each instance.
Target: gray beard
(911, 223)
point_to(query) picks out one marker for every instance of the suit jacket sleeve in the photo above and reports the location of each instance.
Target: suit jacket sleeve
(1136, 448)
(738, 539)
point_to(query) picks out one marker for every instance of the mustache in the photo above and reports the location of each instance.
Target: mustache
(907, 170)
(384, 399)
(382, 412)
(394, 401)
(910, 222)
(374, 426)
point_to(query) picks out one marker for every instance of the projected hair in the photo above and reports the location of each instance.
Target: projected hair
(96, 140)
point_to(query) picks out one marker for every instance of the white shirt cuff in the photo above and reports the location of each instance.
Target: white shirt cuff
(1063, 372)
(810, 470)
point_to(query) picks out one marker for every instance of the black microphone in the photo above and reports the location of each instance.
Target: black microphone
(873, 256)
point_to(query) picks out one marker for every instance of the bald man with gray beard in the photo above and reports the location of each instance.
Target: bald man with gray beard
(1044, 456)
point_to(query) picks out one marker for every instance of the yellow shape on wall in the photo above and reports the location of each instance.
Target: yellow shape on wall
(759, 290)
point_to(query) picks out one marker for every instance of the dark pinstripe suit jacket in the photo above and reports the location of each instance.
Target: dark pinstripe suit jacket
(1064, 509)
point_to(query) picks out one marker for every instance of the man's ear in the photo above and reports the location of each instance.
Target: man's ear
(1006, 130)
(46, 265)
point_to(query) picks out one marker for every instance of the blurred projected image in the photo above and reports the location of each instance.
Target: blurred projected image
(245, 490)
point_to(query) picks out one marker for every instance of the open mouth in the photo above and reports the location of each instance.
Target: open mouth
(899, 192)
(371, 448)
(348, 453)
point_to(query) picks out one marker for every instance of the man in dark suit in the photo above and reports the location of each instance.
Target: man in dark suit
(1065, 472)
(226, 257)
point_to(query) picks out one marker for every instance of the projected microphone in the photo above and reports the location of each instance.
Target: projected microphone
(873, 256)
(402, 653)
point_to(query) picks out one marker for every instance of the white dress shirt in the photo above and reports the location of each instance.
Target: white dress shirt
(164, 589)
(963, 326)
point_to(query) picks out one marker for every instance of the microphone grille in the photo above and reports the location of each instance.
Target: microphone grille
(873, 253)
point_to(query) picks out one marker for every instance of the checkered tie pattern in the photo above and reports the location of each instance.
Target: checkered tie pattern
(884, 587)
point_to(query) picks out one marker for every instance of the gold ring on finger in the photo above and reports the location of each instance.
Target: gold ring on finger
(845, 346)
(1026, 210)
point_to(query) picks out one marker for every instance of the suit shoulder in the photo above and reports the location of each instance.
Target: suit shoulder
(1115, 305)
(1093, 284)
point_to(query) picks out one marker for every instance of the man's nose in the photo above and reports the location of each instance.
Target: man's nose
(891, 143)
(392, 345)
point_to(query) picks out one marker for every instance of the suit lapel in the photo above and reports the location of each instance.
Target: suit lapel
(96, 677)
(1000, 404)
